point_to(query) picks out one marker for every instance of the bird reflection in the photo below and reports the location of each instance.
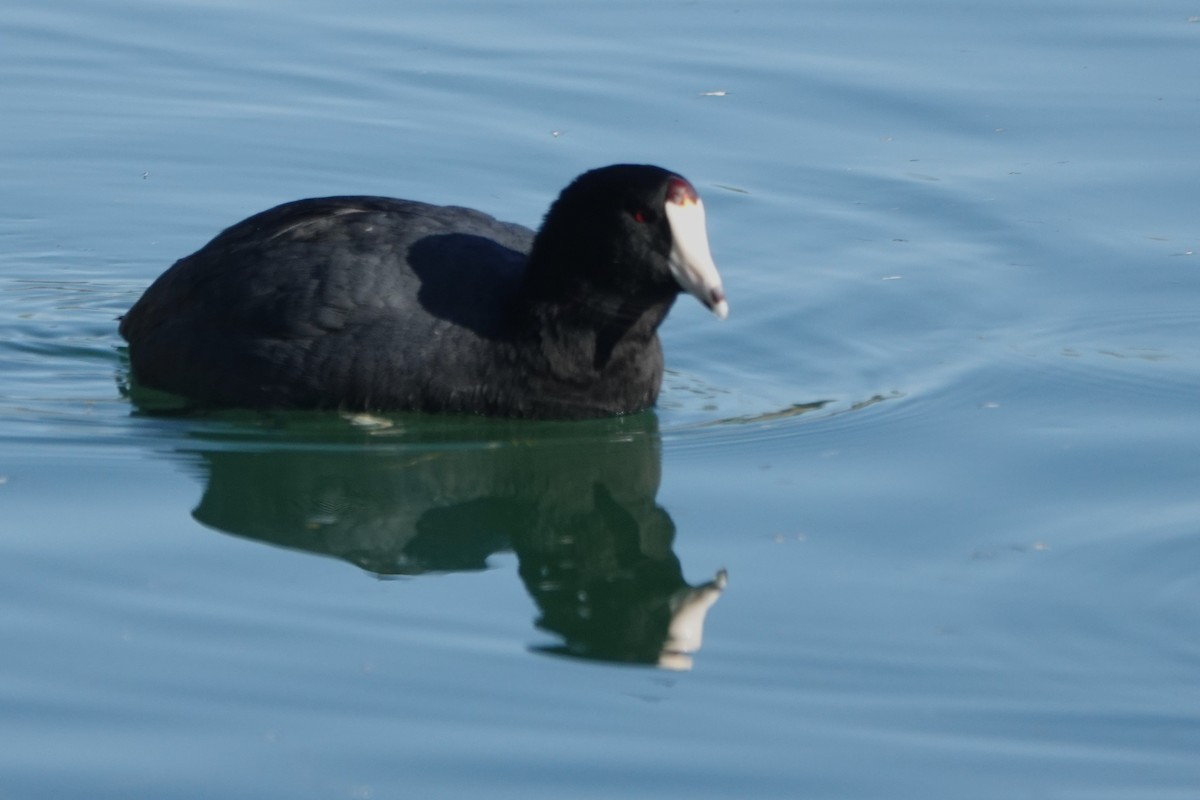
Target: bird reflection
(575, 502)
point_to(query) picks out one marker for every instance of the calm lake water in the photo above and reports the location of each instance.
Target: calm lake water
(945, 448)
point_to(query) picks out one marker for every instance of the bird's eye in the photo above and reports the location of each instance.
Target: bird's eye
(643, 215)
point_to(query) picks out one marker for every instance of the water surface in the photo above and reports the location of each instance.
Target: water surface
(944, 447)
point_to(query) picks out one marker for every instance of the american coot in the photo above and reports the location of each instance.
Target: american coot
(372, 303)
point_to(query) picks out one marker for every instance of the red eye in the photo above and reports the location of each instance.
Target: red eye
(642, 215)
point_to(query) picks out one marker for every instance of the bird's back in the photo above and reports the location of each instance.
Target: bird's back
(345, 301)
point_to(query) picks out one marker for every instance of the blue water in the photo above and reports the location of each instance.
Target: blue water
(945, 446)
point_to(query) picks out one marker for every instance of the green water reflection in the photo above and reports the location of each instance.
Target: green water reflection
(576, 503)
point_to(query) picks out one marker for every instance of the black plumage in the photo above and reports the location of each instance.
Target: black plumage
(370, 303)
